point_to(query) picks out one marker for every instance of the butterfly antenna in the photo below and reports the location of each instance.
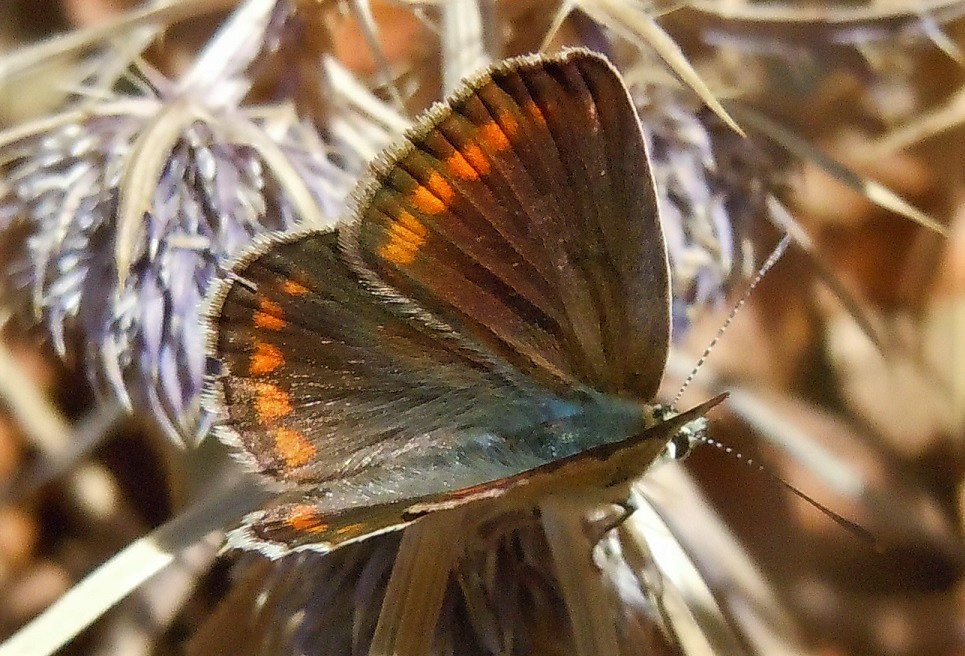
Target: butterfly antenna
(855, 529)
(847, 524)
(772, 259)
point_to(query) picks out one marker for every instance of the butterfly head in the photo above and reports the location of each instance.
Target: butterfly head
(686, 438)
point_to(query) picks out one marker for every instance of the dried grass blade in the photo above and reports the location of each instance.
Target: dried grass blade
(683, 533)
(781, 217)
(463, 45)
(237, 43)
(873, 191)
(147, 159)
(287, 176)
(417, 586)
(362, 11)
(949, 115)
(125, 571)
(24, 60)
(686, 604)
(581, 585)
(625, 18)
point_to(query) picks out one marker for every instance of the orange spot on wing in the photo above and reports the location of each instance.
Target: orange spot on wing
(533, 110)
(434, 196)
(271, 402)
(265, 359)
(493, 136)
(269, 315)
(508, 123)
(459, 165)
(426, 201)
(293, 447)
(293, 288)
(355, 528)
(406, 236)
(476, 157)
(441, 188)
(305, 518)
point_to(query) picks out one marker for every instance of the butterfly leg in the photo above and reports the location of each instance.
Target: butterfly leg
(626, 508)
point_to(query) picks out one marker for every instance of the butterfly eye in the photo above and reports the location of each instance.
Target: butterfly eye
(683, 441)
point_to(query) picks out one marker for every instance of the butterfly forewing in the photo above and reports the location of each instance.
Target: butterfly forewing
(522, 212)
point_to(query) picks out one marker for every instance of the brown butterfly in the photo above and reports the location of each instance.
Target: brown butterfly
(492, 320)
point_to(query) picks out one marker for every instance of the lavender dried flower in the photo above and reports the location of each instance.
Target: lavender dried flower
(712, 205)
(116, 214)
(134, 320)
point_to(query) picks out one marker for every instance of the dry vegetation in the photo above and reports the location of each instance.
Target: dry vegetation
(847, 366)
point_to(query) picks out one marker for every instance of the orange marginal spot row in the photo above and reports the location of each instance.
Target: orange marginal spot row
(291, 445)
(536, 113)
(461, 166)
(493, 136)
(271, 403)
(356, 528)
(269, 315)
(442, 189)
(406, 236)
(469, 162)
(305, 519)
(434, 196)
(508, 123)
(293, 287)
(265, 359)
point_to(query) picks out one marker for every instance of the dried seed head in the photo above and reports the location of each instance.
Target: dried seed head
(711, 185)
(504, 596)
(128, 301)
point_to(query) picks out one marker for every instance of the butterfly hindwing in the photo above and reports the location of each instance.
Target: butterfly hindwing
(324, 522)
(319, 378)
(309, 523)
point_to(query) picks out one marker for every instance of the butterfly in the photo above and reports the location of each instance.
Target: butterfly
(492, 320)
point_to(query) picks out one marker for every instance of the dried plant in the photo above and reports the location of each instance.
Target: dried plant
(118, 209)
(118, 213)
